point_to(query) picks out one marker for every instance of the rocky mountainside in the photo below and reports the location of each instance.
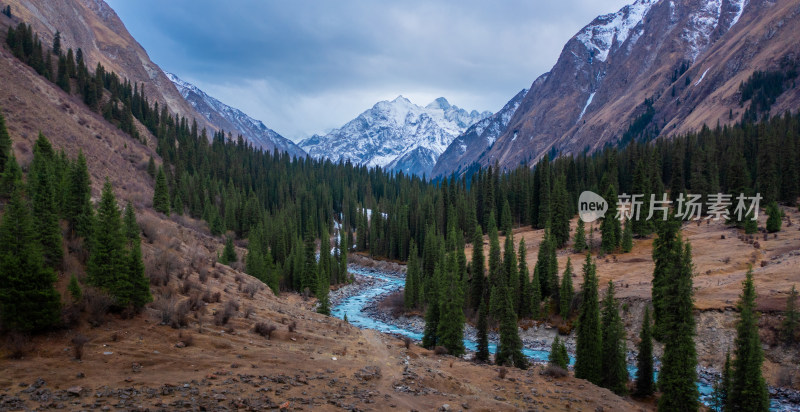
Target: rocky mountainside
(397, 135)
(662, 66)
(470, 145)
(232, 119)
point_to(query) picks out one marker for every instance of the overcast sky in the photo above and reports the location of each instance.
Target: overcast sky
(304, 67)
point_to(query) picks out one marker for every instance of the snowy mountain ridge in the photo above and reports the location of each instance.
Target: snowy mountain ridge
(397, 135)
(234, 120)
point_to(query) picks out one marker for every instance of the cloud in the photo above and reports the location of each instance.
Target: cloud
(303, 67)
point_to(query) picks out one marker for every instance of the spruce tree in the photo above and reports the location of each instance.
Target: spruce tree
(151, 167)
(536, 294)
(510, 272)
(42, 188)
(791, 319)
(580, 238)
(614, 371)
(560, 213)
(588, 350)
(478, 270)
(678, 374)
(432, 314)
(161, 193)
(627, 237)
(323, 289)
(482, 355)
(505, 219)
(79, 206)
(644, 359)
(565, 295)
(558, 354)
(610, 228)
(748, 390)
(721, 387)
(509, 350)
(5, 143)
(138, 293)
(411, 290)
(666, 254)
(107, 254)
(523, 309)
(229, 253)
(57, 43)
(11, 177)
(775, 215)
(450, 332)
(28, 298)
(74, 289)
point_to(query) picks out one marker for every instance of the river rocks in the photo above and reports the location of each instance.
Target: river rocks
(368, 373)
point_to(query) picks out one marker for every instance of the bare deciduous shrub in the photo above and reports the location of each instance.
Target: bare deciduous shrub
(195, 301)
(238, 278)
(78, 342)
(264, 329)
(209, 297)
(187, 286)
(726, 260)
(202, 274)
(97, 305)
(223, 316)
(292, 326)
(555, 371)
(251, 289)
(18, 345)
(501, 373)
(440, 350)
(115, 337)
(173, 313)
(407, 342)
(248, 310)
(215, 273)
(785, 377)
(71, 315)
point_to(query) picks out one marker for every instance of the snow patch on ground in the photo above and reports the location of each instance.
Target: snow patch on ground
(588, 102)
(701, 77)
(740, 4)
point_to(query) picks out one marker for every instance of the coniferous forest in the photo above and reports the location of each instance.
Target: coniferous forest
(286, 206)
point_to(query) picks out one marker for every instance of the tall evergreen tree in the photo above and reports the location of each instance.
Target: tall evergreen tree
(450, 333)
(614, 371)
(536, 294)
(74, 289)
(666, 254)
(610, 227)
(678, 364)
(107, 257)
(509, 350)
(11, 177)
(42, 186)
(28, 298)
(719, 398)
(775, 215)
(588, 350)
(79, 205)
(627, 237)
(229, 253)
(432, 313)
(505, 219)
(644, 359)
(5, 143)
(161, 193)
(558, 354)
(482, 355)
(792, 317)
(510, 272)
(138, 293)
(748, 390)
(411, 290)
(580, 238)
(560, 213)
(565, 296)
(524, 283)
(478, 270)
(323, 289)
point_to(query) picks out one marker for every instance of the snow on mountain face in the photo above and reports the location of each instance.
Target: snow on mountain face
(397, 135)
(234, 120)
(614, 28)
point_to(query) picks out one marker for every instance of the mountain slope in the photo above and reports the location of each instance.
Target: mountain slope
(232, 119)
(95, 28)
(468, 146)
(397, 135)
(682, 62)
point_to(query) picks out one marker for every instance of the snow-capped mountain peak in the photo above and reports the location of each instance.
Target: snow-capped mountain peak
(234, 120)
(397, 134)
(614, 28)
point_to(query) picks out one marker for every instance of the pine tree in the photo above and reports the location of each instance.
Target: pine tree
(719, 398)
(560, 213)
(505, 219)
(510, 272)
(536, 294)
(610, 227)
(161, 193)
(11, 177)
(57, 43)
(523, 309)
(644, 359)
(614, 371)
(432, 314)
(588, 350)
(151, 167)
(641, 185)
(74, 289)
(482, 355)
(43, 199)
(138, 293)
(5, 143)
(580, 238)
(509, 350)
(323, 289)
(627, 237)
(28, 298)
(775, 215)
(565, 295)
(411, 291)
(450, 333)
(678, 374)
(748, 390)
(79, 206)
(791, 319)
(106, 261)
(558, 354)
(228, 252)
(666, 254)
